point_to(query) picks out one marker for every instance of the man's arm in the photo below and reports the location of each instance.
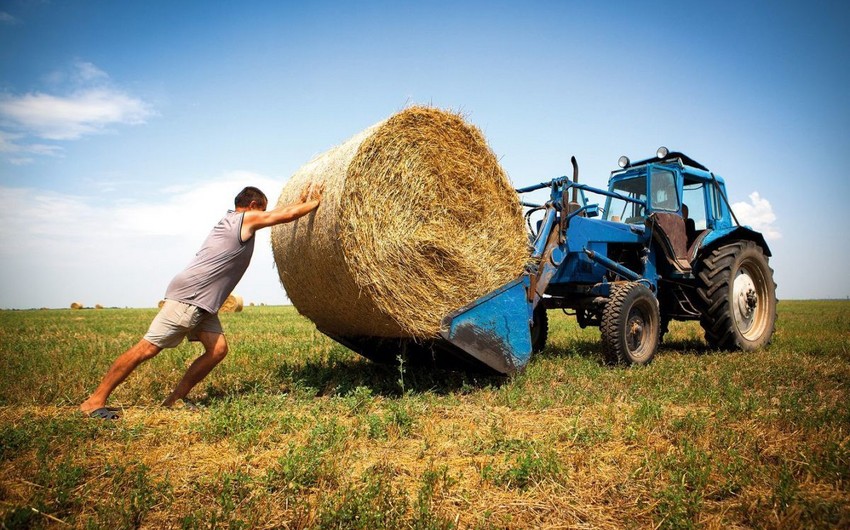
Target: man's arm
(254, 220)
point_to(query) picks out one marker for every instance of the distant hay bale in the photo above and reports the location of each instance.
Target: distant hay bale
(98, 306)
(417, 220)
(76, 305)
(233, 304)
(160, 304)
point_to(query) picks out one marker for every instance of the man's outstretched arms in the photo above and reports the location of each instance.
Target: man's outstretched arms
(256, 218)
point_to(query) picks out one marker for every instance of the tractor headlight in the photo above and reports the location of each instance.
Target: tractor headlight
(623, 161)
(662, 152)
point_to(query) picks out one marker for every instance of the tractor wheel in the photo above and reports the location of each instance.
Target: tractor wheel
(539, 329)
(630, 324)
(664, 327)
(739, 296)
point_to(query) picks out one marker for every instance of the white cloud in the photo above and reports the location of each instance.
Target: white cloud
(9, 20)
(758, 213)
(86, 72)
(92, 105)
(70, 117)
(58, 248)
(20, 154)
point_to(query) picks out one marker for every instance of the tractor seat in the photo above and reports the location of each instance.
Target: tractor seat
(690, 230)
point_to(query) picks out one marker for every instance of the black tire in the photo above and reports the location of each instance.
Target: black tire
(664, 327)
(739, 297)
(539, 329)
(630, 325)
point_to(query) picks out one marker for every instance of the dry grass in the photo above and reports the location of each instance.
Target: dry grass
(418, 219)
(296, 432)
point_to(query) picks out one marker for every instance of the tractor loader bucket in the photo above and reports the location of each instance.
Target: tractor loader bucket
(495, 329)
(491, 333)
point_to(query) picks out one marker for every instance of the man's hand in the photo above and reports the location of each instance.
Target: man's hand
(313, 192)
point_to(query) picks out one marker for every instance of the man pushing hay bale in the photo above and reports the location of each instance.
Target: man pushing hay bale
(417, 220)
(198, 293)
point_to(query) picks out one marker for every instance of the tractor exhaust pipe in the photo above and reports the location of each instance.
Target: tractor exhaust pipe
(574, 162)
(568, 207)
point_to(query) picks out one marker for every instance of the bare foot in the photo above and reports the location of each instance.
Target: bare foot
(89, 406)
(182, 404)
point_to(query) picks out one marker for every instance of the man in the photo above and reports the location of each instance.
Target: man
(195, 295)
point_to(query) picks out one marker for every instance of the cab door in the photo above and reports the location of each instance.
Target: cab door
(666, 221)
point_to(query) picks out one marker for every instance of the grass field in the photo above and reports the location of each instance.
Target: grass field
(298, 432)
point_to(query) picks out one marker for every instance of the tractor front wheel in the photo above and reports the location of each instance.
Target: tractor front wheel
(630, 324)
(539, 329)
(739, 296)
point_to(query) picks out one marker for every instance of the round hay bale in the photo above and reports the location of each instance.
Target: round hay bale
(417, 219)
(76, 305)
(233, 304)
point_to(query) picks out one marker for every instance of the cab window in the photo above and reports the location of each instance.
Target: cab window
(663, 193)
(693, 196)
(625, 211)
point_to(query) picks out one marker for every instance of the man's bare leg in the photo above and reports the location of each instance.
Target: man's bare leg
(118, 372)
(216, 350)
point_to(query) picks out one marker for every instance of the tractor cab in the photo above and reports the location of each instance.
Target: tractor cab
(676, 197)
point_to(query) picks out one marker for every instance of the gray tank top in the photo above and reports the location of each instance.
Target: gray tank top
(216, 269)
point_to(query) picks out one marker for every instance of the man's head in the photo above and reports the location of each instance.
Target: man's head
(251, 198)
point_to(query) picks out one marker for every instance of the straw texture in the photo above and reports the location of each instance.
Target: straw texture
(417, 220)
(232, 304)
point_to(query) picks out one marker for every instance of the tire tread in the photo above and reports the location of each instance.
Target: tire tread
(715, 276)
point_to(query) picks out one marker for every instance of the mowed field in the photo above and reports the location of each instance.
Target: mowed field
(295, 431)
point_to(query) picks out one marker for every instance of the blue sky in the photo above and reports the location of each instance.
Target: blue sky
(126, 128)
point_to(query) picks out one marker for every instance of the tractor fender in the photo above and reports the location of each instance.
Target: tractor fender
(735, 233)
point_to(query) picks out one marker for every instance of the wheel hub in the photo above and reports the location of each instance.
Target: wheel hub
(745, 299)
(635, 332)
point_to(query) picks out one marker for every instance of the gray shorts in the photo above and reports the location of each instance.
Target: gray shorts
(177, 320)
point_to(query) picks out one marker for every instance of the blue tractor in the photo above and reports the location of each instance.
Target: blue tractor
(665, 245)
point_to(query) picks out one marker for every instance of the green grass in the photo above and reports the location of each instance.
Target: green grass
(295, 431)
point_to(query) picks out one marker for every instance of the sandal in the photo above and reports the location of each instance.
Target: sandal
(105, 413)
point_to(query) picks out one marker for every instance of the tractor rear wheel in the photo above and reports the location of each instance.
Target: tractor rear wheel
(630, 324)
(739, 297)
(539, 329)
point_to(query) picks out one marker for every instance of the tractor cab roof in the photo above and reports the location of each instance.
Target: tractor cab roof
(662, 156)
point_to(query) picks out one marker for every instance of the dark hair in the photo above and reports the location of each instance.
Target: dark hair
(250, 193)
